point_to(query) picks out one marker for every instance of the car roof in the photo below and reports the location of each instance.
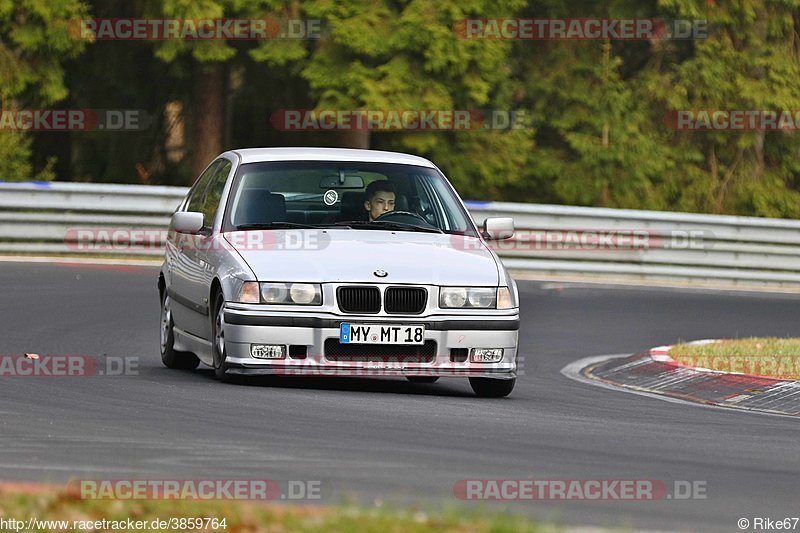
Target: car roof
(255, 155)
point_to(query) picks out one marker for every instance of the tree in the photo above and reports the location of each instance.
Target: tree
(208, 61)
(212, 63)
(35, 40)
(390, 56)
(751, 61)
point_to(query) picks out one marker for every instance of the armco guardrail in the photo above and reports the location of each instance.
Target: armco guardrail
(37, 218)
(45, 217)
(686, 246)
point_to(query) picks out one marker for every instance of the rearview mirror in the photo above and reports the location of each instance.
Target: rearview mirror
(498, 228)
(341, 181)
(187, 222)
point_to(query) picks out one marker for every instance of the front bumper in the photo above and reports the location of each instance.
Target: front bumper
(311, 330)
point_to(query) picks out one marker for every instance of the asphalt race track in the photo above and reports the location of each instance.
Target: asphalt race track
(388, 439)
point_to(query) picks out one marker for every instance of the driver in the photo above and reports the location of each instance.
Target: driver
(379, 198)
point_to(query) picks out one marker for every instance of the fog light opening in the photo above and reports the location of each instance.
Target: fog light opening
(298, 351)
(459, 355)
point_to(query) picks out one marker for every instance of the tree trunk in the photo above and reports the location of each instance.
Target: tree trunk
(354, 138)
(208, 114)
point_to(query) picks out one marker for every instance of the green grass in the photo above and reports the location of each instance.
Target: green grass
(769, 356)
(257, 517)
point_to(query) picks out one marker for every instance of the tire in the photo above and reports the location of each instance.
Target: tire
(492, 388)
(422, 379)
(171, 357)
(218, 340)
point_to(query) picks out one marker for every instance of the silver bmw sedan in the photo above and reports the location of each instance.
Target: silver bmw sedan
(336, 262)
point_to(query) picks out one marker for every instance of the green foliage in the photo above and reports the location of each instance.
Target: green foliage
(385, 56)
(601, 146)
(749, 61)
(596, 133)
(15, 165)
(380, 56)
(201, 50)
(35, 40)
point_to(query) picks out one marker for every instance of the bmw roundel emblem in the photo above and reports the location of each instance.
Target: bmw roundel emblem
(381, 273)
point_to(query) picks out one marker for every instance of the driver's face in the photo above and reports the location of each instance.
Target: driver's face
(381, 203)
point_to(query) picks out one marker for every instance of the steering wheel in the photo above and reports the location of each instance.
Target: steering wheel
(403, 214)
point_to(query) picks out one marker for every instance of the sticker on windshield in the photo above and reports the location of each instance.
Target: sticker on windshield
(330, 197)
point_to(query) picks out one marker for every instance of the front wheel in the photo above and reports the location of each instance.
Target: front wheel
(492, 388)
(171, 357)
(218, 337)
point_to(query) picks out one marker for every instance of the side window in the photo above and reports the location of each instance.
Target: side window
(196, 196)
(213, 194)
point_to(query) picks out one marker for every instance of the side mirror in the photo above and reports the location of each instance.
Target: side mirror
(498, 228)
(187, 222)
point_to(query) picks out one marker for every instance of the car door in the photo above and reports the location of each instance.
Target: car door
(204, 256)
(183, 264)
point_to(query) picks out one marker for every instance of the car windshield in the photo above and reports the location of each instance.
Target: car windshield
(301, 194)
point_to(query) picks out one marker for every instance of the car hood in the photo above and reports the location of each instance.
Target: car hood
(347, 255)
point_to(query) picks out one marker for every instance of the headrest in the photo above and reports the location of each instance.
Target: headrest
(260, 206)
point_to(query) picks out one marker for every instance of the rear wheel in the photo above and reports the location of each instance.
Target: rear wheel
(422, 379)
(171, 357)
(218, 339)
(492, 388)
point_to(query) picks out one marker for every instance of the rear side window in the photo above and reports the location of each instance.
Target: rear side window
(196, 195)
(213, 195)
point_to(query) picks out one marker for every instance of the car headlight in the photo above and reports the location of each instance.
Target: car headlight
(274, 293)
(305, 293)
(452, 297)
(281, 293)
(468, 297)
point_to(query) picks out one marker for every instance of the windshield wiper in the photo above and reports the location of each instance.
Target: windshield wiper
(274, 225)
(385, 224)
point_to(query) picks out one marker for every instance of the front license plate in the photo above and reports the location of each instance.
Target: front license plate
(381, 334)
